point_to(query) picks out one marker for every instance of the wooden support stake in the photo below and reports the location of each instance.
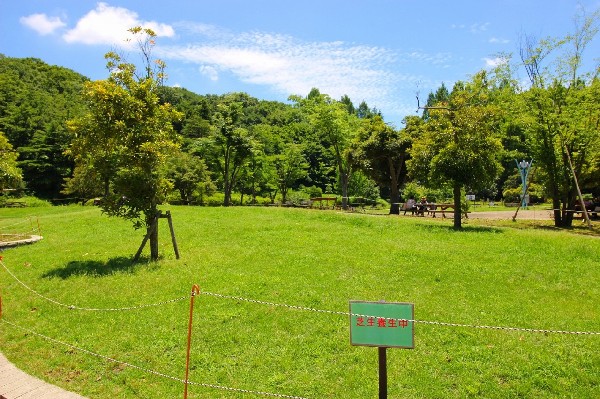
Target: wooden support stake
(173, 239)
(195, 291)
(145, 240)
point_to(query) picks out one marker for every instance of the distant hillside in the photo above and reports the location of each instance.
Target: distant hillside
(36, 99)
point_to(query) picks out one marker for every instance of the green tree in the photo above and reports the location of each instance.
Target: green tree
(441, 96)
(290, 167)
(188, 175)
(348, 103)
(561, 115)
(382, 152)
(231, 145)
(335, 127)
(10, 174)
(85, 183)
(126, 136)
(460, 143)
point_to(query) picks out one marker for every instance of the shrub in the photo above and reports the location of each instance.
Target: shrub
(312, 191)
(35, 202)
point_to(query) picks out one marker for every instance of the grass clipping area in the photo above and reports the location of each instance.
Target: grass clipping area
(483, 275)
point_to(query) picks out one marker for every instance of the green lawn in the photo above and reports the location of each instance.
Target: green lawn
(535, 277)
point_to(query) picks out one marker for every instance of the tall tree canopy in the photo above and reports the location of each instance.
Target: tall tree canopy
(230, 144)
(460, 144)
(335, 127)
(382, 151)
(561, 114)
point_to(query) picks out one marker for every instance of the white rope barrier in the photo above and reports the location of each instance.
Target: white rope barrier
(437, 323)
(303, 308)
(146, 370)
(73, 307)
(15, 224)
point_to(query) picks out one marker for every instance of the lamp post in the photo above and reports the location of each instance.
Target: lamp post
(524, 167)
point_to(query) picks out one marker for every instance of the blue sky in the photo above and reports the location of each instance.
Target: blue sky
(380, 51)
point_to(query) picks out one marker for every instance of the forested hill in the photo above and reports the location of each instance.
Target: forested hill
(36, 100)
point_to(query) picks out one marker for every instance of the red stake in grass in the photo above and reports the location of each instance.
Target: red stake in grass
(195, 291)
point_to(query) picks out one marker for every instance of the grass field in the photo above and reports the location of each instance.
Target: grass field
(484, 275)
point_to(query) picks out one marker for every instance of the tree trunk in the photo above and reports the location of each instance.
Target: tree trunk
(457, 206)
(556, 207)
(394, 198)
(153, 230)
(344, 180)
(227, 198)
(394, 190)
(106, 187)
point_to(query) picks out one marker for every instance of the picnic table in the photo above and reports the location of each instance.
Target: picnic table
(430, 208)
(443, 209)
(360, 203)
(324, 200)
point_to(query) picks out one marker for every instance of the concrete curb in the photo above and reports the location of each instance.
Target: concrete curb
(15, 384)
(10, 244)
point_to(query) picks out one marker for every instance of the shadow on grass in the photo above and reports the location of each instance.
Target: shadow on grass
(94, 268)
(580, 230)
(463, 229)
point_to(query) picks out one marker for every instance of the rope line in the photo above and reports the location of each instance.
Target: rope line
(73, 307)
(301, 308)
(146, 370)
(16, 224)
(295, 307)
(437, 323)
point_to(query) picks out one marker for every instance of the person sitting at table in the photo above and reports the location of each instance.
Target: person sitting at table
(410, 206)
(422, 206)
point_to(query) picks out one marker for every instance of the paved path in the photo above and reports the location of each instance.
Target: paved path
(15, 384)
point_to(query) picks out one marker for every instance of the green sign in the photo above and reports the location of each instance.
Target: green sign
(383, 324)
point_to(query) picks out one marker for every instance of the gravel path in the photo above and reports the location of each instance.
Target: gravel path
(523, 214)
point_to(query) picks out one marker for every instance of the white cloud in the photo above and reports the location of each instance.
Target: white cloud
(439, 59)
(108, 25)
(42, 24)
(479, 27)
(210, 72)
(494, 62)
(290, 66)
(498, 40)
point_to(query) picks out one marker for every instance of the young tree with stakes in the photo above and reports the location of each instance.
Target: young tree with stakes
(126, 136)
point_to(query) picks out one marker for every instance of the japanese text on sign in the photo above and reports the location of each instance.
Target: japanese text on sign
(383, 324)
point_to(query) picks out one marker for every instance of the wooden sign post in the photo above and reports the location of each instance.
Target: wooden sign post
(383, 325)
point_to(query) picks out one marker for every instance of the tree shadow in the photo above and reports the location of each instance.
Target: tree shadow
(464, 229)
(94, 268)
(582, 230)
